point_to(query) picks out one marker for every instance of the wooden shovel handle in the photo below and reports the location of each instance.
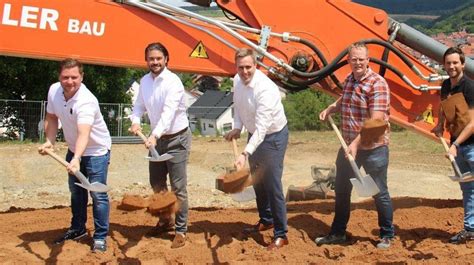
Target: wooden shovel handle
(235, 149)
(445, 145)
(139, 133)
(56, 157)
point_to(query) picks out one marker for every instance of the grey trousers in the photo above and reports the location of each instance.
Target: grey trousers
(179, 147)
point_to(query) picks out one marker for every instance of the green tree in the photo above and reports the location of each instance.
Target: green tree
(226, 84)
(30, 79)
(302, 110)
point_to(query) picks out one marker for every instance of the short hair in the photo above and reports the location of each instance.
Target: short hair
(159, 47)
(358, 45)
(70, 63)
(244, 52)
(453, 50)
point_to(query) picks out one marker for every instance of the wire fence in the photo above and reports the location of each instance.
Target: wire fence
(23, 119)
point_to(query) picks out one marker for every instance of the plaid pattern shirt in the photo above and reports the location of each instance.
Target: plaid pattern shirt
(359, 99)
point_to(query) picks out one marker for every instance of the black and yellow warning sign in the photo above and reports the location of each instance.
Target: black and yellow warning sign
(199, 51)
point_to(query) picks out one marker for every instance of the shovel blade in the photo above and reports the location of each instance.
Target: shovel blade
(365, 186)
(160, 158)
(246, 195)
(96, 186)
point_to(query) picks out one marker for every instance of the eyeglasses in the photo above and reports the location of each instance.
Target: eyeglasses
(357, 60)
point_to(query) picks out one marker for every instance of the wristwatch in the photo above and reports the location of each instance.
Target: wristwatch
(456, 144)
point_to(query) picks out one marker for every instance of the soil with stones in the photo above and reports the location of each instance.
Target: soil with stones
(34, 201)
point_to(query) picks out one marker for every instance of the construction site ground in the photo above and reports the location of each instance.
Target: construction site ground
(34, 205)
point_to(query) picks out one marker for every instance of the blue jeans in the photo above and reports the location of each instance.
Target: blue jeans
(179, 147)
(95, 169)
(266, 165)
(375, 163)
(465, 160)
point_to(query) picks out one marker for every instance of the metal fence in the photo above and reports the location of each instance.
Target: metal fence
(23, 119)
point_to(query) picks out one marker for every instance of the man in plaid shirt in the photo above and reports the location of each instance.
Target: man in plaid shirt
(365, 96)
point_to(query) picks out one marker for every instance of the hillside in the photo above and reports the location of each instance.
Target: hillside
(425, 7)
(464, 18)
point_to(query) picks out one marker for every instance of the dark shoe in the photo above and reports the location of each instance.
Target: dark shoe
(330, 239)
(179, 240)
(160, 229)
(100, 246)
(462, 237)
(257, 228)
(384, 243)
(278, 243)
(71, 235)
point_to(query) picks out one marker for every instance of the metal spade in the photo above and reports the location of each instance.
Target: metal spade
(155, 157)
(364, 185)
(95, 186)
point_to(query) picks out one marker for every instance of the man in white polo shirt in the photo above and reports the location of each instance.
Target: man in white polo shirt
(161, 95)
(89, 142)
(258, 107)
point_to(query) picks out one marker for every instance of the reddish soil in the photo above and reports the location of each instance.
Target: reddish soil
(422, 226)
(34, 210)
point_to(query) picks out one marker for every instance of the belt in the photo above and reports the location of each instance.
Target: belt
(168, 136)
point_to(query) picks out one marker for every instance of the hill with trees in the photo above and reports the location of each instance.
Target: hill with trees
(425, 7)
(461, 19)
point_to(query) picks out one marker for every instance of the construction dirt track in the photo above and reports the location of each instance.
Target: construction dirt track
(427, 210)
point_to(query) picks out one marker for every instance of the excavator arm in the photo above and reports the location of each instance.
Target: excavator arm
(301, 43)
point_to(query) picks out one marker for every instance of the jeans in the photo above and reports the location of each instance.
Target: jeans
(179, 147)
(375, 163)
(95, 169)
(465, 160)
(266, 166)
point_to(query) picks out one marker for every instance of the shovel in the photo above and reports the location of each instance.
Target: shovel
(96, 186)
(248, 193)
(365, 186)
(155, 157)
(458, 176)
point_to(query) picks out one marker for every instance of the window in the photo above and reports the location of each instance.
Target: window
(227, 127)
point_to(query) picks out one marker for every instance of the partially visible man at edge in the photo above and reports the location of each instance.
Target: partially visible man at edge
(462, 147)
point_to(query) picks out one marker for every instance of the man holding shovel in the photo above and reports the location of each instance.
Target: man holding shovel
(258, 107)
(365, 96)
(457, 94)
(89, 142)
(161, 95)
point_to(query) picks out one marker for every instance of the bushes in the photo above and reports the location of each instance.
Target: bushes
(302, 110)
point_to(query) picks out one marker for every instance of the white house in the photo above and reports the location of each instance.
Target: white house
(212, 113)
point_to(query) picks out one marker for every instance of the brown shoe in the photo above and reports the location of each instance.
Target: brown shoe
(179, 240)
(258, 227)
(279, 242)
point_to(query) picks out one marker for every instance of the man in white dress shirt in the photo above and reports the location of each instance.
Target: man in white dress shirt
(258, 107)
(89, 142)
(162, 96)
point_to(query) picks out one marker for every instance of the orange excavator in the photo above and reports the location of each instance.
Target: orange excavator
(300, 43)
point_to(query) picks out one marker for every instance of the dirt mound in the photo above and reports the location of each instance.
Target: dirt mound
(132, 203)
(423, 227)
(162, 202)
